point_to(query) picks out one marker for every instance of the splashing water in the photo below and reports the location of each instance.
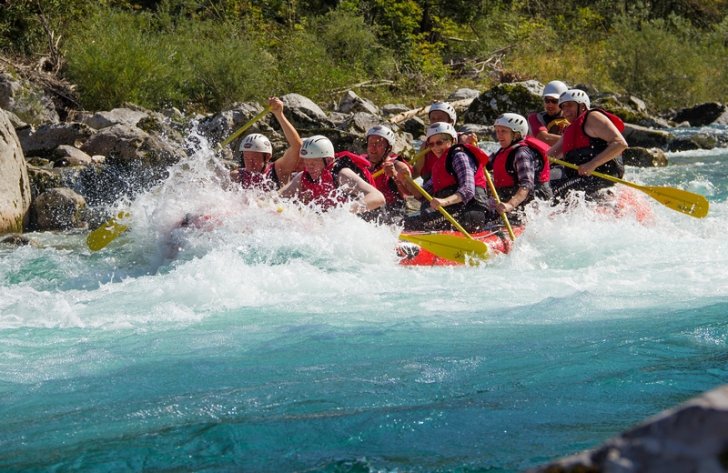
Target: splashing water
(267, 337)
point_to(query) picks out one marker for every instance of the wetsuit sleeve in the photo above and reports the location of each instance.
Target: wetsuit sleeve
(465, 172)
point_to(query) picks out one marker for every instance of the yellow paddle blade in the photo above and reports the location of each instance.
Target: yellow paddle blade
(107, 232)
(685, 202)
(449, 247)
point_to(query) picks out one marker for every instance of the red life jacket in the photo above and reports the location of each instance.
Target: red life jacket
(430, 160)
(266, 180)
(580, 148)
(503, 163)
(443, 174)
(387, 186)
(356, 162)
(576, 138)
(322, 192)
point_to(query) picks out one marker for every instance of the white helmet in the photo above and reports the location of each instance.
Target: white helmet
(383, 131)
(444, 107)
(317, 146)
(514, 121)
(554, 89)
(256, 142)
(575, 95)
(441, 128)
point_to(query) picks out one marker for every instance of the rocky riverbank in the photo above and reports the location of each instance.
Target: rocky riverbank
(64, 173)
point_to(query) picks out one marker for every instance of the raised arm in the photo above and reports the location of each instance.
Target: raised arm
(288, 163)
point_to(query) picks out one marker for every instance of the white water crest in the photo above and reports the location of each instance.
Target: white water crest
(297, 331)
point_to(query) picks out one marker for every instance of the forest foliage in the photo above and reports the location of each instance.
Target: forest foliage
(208, 54)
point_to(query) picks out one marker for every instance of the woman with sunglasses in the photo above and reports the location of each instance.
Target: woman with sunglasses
(548, 125)
(457, 183)
(439, 112)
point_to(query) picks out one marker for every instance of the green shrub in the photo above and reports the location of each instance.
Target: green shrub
(117, 57)
(351, 43)
(666, 62)
(218, 65)
(305, 66)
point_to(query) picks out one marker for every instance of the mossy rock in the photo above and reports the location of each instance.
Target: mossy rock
(516, 97)
(42, 180)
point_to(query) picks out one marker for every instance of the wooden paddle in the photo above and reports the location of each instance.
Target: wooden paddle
(453, 248)
(685, 202)
(504, 217)
(112, 228)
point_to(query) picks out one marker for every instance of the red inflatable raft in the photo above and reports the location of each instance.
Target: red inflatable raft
(411, 254)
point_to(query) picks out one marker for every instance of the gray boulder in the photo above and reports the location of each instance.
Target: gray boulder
(360, 122)
(15, 196)
(123, 144)
(393, 109)
(415, 125)
(116, 116)
(516, 97)
(692, 437)
(696, 141)
(704, 114)
(637, 135)
(26, 100)
(627, 107)
(66, 155)
(304, 114)
(644, 157)
(463, 93)
(352, 103)
(58, 209)
(43, 141)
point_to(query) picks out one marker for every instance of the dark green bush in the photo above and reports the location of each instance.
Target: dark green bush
(118, 57)
(668, 63)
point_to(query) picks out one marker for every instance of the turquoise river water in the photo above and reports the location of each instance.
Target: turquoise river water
(284, 341)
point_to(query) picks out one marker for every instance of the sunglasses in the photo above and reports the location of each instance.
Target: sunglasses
(550, 100)
(437, 143)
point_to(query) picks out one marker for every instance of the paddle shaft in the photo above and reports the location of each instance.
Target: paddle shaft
(504, 217)
(441, 209)
(242, 129)
(680, 200)
(412, 162)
